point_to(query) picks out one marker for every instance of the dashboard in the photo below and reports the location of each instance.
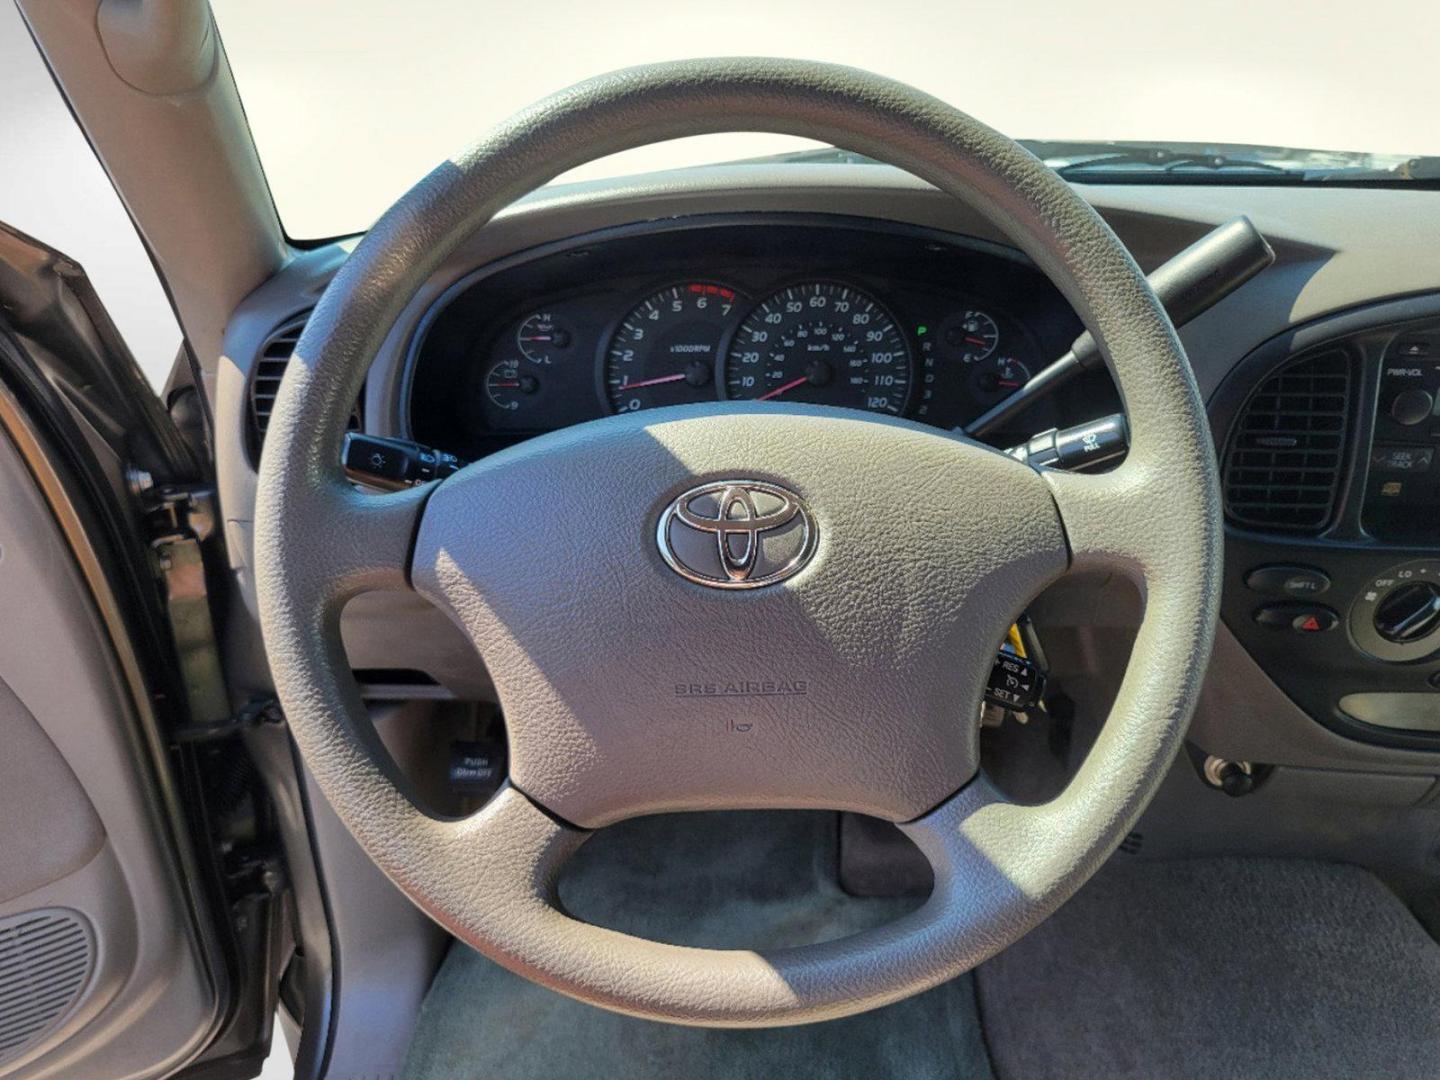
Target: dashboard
(1316, 377)
(1344, 725)
(895, 321)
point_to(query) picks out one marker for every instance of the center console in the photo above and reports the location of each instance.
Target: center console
(1329, 442)
(1402, 492)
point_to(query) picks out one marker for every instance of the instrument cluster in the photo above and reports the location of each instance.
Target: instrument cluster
(891, 321)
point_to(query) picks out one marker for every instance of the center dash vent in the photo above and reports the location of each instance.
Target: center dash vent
(269, 370)
(1287, 449)
(46, 958)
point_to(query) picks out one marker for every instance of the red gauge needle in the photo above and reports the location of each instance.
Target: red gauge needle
(975, 340)
(651, 382)
(784, 389)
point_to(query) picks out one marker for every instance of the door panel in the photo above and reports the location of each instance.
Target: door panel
(36, 785)
(88, 864)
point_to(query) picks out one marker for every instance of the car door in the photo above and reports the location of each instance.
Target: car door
(140, 893)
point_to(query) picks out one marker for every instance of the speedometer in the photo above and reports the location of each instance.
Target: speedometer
(824, 343)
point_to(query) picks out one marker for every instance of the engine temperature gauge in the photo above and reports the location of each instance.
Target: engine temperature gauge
(509, 387)
(997, 378)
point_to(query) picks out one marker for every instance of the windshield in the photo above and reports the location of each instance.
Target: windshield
(352, 101)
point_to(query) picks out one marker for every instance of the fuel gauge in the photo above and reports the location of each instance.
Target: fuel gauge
(509, 387)
(973, 335)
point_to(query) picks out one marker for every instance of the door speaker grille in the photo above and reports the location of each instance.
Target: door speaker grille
(46, 958)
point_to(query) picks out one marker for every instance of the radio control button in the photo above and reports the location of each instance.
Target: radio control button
(1411, 459)
(1414, 346)
(1412, 406)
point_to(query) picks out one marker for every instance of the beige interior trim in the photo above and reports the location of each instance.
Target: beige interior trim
(150, 85)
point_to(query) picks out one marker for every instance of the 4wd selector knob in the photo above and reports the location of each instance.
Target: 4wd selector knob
(1409, 613)
(1396, 616)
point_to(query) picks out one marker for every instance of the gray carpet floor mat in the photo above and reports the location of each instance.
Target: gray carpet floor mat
(1233, 968)
(718, 880)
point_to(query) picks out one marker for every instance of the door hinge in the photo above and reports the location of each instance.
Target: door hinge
(252, 714)
(182, 521)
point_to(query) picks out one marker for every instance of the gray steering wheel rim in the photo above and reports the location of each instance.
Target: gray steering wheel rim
(1000, 869)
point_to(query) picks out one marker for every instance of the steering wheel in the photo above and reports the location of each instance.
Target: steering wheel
(848, 680)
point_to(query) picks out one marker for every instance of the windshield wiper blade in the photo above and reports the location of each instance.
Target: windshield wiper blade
(1420, 168)
(1161, 159)
(1177, 163)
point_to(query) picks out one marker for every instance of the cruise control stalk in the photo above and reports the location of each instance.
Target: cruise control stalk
(1192, 282)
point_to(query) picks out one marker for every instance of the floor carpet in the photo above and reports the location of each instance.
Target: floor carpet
(719, 880)
(1236, 968)
(1241, 968)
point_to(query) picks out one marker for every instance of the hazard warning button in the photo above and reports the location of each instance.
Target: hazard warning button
(1302, 618)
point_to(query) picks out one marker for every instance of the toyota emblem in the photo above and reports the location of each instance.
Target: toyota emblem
(736, 534)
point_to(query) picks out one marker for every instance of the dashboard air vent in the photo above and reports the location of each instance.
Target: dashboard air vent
(1287, 449)
(267, 373)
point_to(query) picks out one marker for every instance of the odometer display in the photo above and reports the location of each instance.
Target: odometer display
(824, 343)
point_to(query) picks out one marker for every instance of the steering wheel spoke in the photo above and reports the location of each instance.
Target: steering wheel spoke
(375, 537)
(1110, 519)
(367, 538)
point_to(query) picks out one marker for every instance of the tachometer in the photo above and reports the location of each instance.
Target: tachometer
(664, 351)
(824, 343)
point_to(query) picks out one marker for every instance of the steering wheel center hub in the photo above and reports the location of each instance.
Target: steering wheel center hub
(894, 557)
